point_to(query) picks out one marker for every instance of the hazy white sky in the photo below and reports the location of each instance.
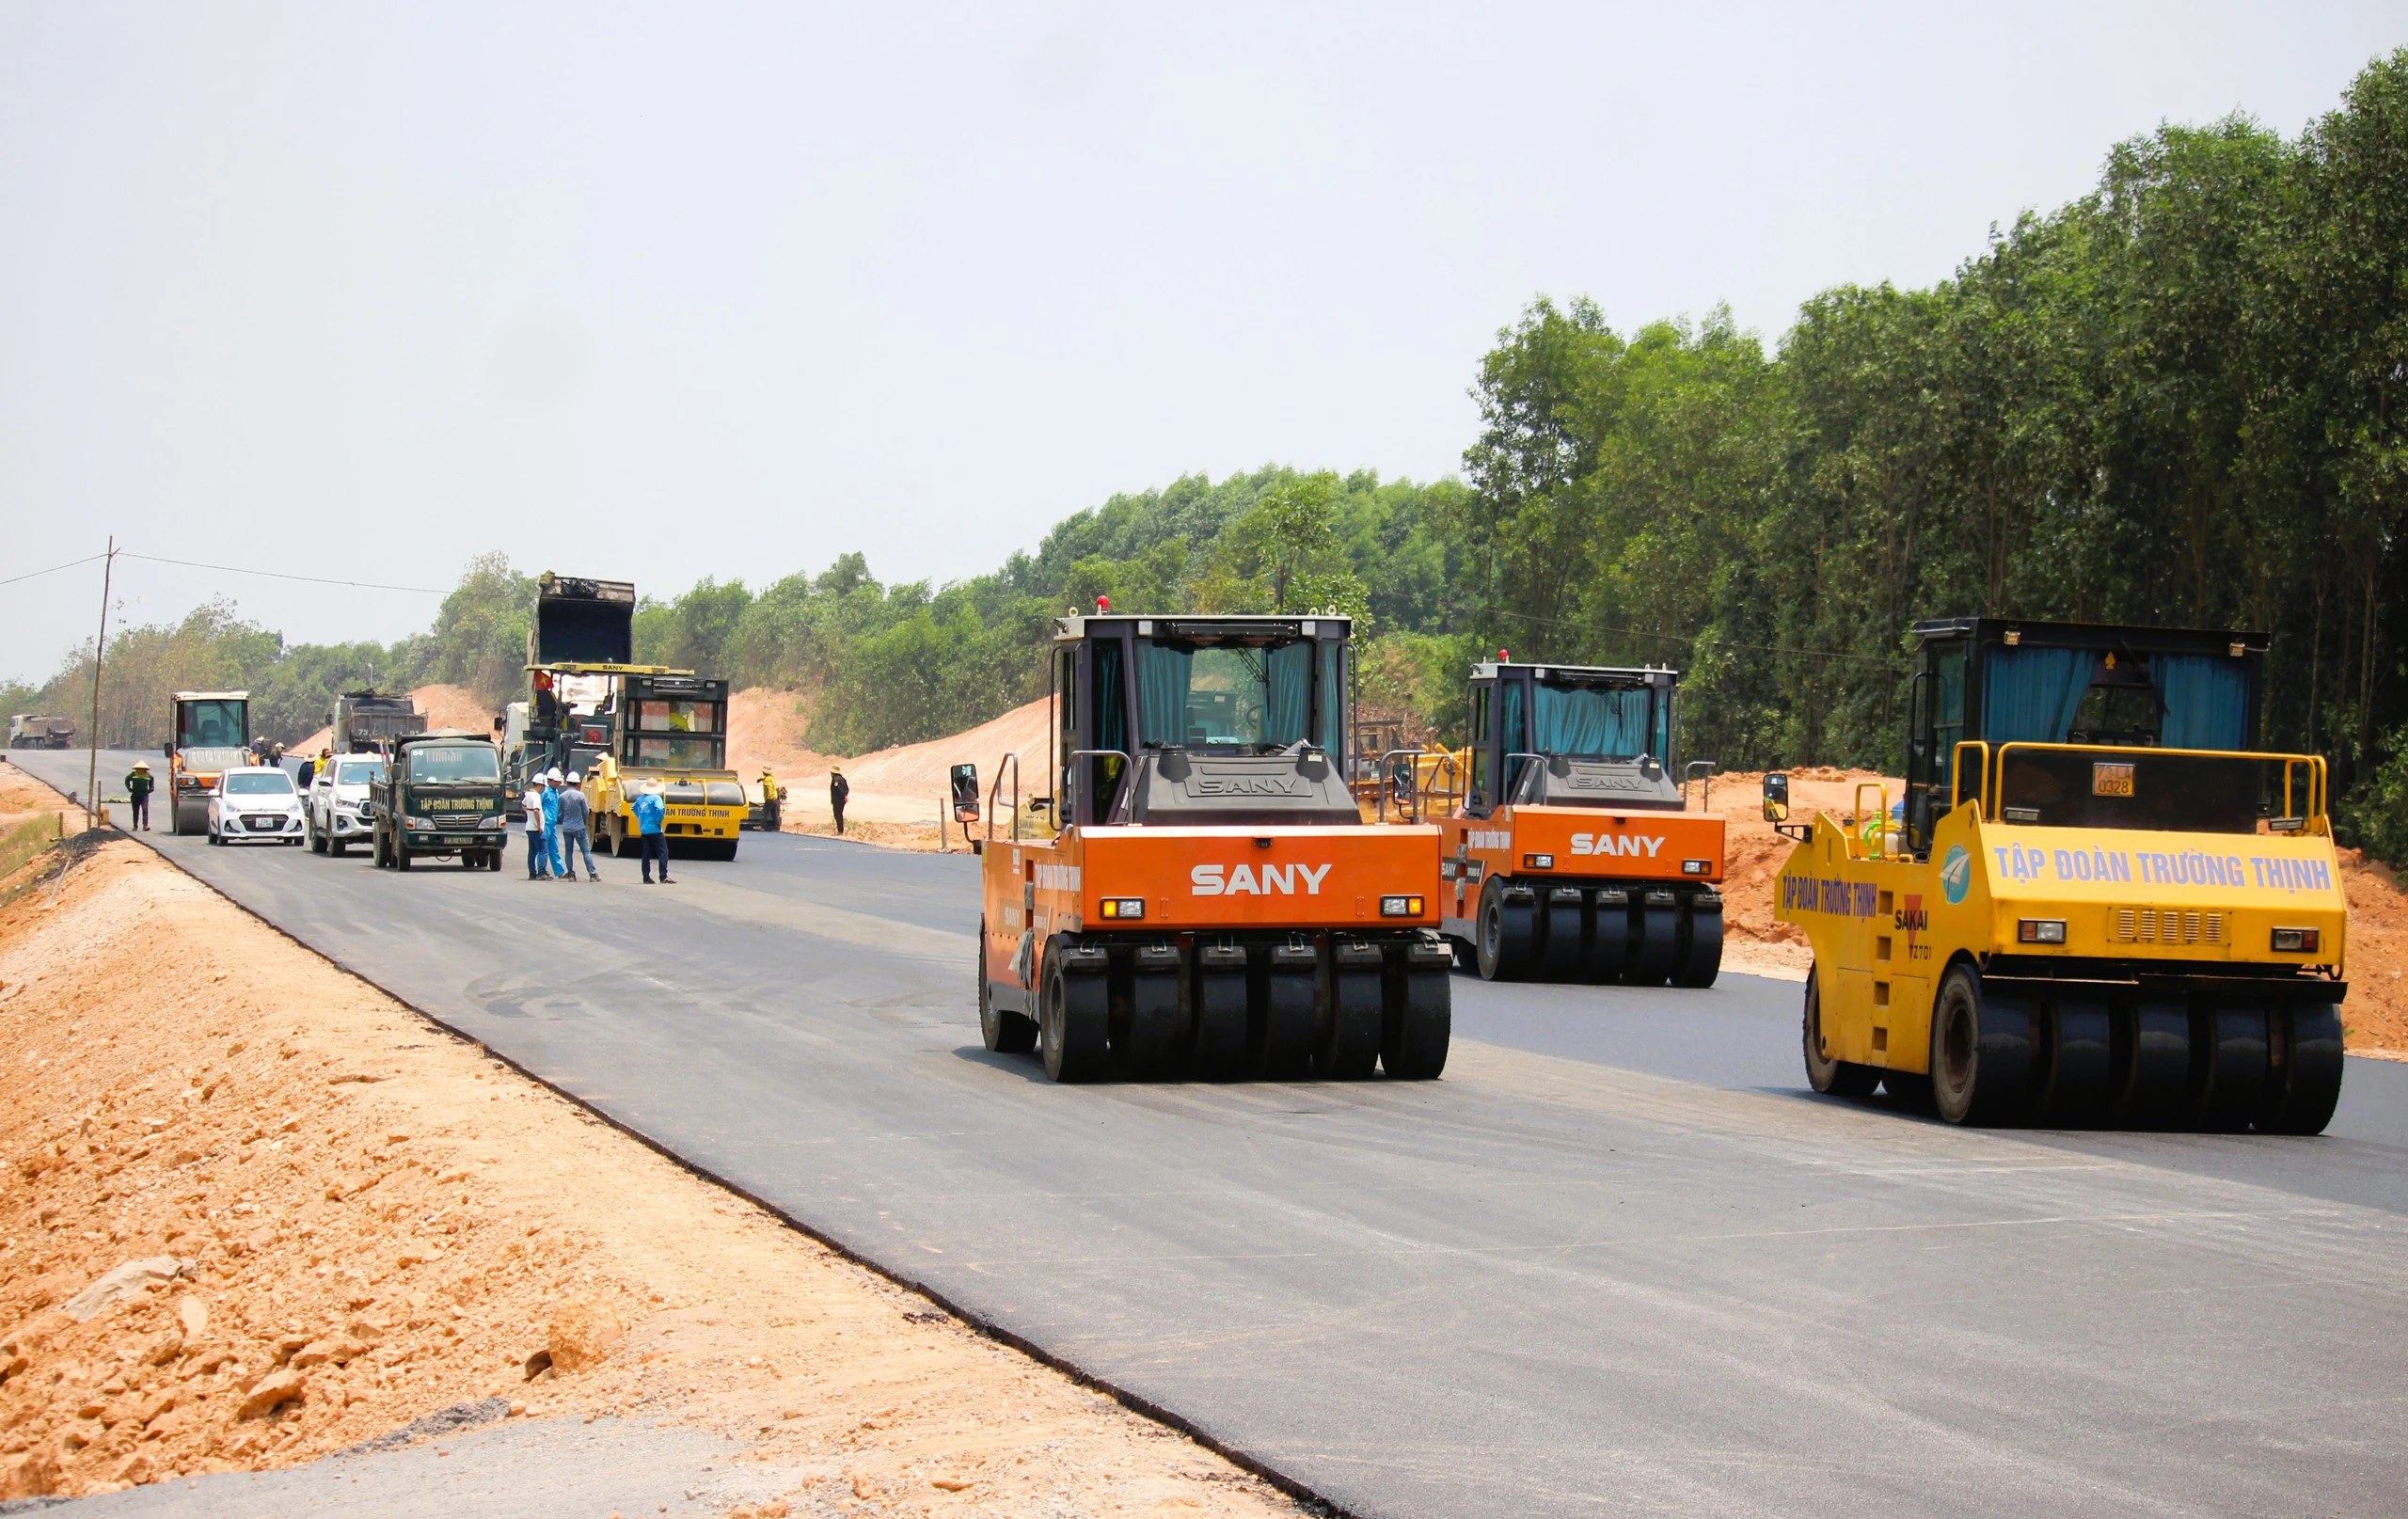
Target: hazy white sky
(664, 291)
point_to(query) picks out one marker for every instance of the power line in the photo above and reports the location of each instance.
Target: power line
(52, 570)
(272, 574)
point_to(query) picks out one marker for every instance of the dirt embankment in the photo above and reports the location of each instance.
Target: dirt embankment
(253, 1211)
(896, 793)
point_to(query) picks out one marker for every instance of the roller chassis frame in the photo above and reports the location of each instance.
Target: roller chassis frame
(1229, 1004)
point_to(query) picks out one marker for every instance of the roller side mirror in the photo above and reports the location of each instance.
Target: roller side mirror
(1775, 797)
(965, 792)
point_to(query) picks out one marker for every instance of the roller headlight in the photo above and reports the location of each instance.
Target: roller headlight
(2297, 941)
(2041, 930)
(1122, 908)
(1401, 907)
(1538, 862)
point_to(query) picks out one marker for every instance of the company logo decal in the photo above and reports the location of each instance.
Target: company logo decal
(1057, 878)
(1632, 845)
(1956, 874)
(1811, 893)
(1247, 785)
(1257, 880)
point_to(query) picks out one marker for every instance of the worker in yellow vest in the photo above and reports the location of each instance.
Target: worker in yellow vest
(772, 795)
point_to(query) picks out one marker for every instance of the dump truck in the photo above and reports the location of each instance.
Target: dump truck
(1570, 853)
(591, 710)
(212, 734)
(33, 731)
(2096, 905)
(363, 720)
(439, 796)
(1205, 898)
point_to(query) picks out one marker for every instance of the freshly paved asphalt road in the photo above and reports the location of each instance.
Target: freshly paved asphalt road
(1617, 1262)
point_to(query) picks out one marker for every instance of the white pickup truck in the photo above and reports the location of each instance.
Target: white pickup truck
(337, 806)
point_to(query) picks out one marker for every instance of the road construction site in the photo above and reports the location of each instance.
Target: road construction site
(1618, 1259)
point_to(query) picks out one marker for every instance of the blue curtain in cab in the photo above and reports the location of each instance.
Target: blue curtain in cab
(1163, 674)
(2205, 698)
(2031, 695)
(1288, 715)
(1591, 723)
(1515, 735)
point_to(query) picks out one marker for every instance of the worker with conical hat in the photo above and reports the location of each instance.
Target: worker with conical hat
(138, 785)
(772, 795)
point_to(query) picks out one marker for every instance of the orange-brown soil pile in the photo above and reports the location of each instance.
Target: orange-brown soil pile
(898, 794)
(253, 1211)
(2374, 1020)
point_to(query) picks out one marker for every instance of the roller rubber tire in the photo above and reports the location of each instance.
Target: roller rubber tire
(2079, 1086)
(1506, 932)
(1559, 960)
(1981, 1052)
(1910, 1091)
(1420, 1024)
(1289, 1022)
(1220, 1048)
(2228, 1064)
(2308, 1082)
(1351, 1051)
(1659, 932)
(2154, 1084)
(1003, 1033)
(1833, 1078)
(1071, 1027)
(1607, 959)
(1156, 1042)
(1698, 957)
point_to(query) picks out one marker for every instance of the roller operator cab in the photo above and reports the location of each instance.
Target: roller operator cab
(212, 734)
(1197, 893)
(1571, 855)
(2098, 905)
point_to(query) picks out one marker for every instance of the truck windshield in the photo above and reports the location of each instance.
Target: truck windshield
(1253, 699)
(446, 762)
(1594, 723)
(360, 772)
(212, 724)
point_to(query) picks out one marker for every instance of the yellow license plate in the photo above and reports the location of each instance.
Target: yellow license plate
(2110, 780)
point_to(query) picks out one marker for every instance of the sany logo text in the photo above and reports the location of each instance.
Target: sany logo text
(1616, 843)
(1257, 880)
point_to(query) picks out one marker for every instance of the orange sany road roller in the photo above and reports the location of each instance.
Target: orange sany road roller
(1569, 853)
(1196, 893)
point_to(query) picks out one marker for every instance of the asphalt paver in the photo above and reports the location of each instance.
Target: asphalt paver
(1617, 1262)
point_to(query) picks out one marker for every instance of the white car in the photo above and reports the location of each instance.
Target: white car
(255, 804)
(336, 808)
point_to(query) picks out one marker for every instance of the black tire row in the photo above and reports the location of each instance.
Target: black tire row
(1598, 934)
(1323, 1007)
(2023, 1053)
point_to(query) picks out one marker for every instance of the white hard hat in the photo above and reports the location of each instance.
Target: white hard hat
(552, 774)
(577, 778)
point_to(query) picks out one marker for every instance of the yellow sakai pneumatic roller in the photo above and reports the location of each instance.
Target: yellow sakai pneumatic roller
(2097, 904)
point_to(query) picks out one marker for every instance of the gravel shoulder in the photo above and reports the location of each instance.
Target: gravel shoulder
(299, 1217)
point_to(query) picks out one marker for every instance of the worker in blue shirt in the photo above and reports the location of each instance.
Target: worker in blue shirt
(649, 810)
(552, 820)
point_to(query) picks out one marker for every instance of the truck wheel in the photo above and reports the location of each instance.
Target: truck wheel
(1828, 1076)
(317, 840)
(401, 855)
(1981, 1051)
(1072, 1026)
(1005, 1034)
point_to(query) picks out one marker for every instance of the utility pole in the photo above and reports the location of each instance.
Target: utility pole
(93, 735)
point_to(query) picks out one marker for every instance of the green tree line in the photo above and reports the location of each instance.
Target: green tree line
(2176, 401)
